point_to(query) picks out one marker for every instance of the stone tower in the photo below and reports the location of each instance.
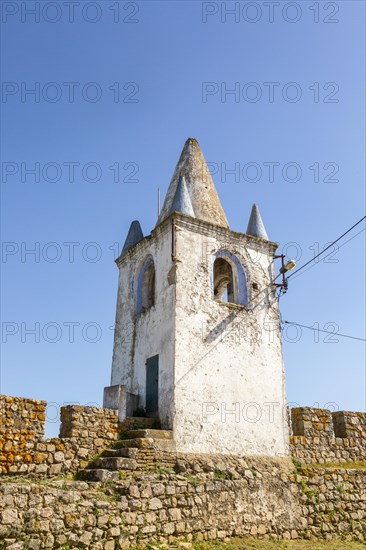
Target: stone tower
(197, 339)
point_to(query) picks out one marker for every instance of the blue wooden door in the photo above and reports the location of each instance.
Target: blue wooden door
(152, 384)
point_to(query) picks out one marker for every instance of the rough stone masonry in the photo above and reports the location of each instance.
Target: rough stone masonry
(182, 497)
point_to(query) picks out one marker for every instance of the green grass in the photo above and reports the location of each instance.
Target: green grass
(219, 475)
(345, 465)
(297, 463)
(163, 469)
(252, 544)
(193, 479)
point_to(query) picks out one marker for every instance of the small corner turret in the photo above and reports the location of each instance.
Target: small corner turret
(134, 236)
(256, 226)
(182, 201)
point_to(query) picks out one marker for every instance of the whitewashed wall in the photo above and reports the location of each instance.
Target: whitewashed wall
(218, 364)
(138, 337)
(213, 357)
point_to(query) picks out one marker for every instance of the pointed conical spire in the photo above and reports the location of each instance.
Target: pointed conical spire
(182, 201)
(134, 236)
(256, 225)
(201, 189)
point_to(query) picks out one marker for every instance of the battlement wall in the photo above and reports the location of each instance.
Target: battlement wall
(321, 436)
(18, 414)
(204, 497)
(310, 422)
(318, 436)
(84, 432)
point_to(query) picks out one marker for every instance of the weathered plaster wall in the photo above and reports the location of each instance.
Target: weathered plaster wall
(213, 357)
(140, 336)
(227, 357)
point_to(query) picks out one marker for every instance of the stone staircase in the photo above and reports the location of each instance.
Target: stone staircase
(138, 449)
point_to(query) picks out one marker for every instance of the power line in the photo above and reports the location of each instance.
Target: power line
(313, 259)
(326, 248)
(331, 253)
(327, 331)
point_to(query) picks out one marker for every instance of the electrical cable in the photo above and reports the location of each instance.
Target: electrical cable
(325, 249)
(327, 331)
(331, 253)
(281, 291)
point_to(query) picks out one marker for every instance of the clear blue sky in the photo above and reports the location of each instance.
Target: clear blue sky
(168, 54)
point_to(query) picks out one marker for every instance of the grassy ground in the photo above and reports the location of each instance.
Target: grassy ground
(251, 544)
(358, 465)
(354, 465)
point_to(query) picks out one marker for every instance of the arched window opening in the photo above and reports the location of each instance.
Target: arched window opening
(146, 286)
(223, 281)
(228, 279)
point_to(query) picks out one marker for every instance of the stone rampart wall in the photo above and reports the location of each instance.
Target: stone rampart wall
(320, 436)
(215, 498)
(180, 497)
(85, 432)
(18, 414)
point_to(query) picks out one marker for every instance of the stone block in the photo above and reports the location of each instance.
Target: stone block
(114, 396)
(310, 422)
(349, 424)
(155, 504)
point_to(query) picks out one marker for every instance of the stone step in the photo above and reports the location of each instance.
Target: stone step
(98, 474)
(126, 452)
(137, 443)
(153, 434)
(113, 463)
(138, 422)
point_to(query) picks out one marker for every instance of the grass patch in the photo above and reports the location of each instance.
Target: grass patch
(342, 465)
(252, 544)
(297, 463)
(161, 469)
(220, 475)
(193, 479)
